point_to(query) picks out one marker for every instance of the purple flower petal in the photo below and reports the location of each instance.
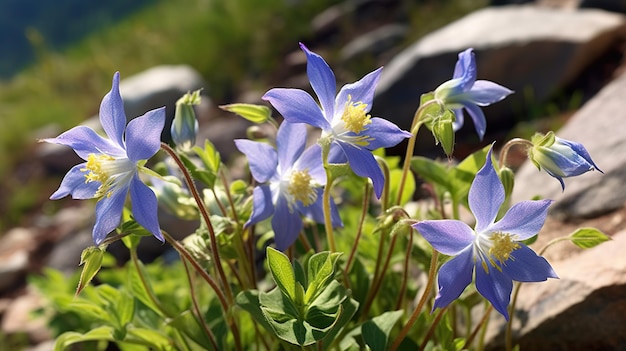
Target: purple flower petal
(315, 211)
(465, 68)
(108, 214)
(85, 141)
(143, 135)
(262, 158)
(486, 195)
(580, 150)
(297, 106)
(360, 91)
(364, 164)
(453, 277)
(322, 81)
(384, 134)
(74, 184)
(527, 266)
(311, 159)
(448, 236)
(524, 219)
(290, 141)
(112, 116)
(478, 117)
(262, 206)
(287, 225)
(486, 92)
(144, 207)
(495, 286)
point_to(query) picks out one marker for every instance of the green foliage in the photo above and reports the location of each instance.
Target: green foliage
(587, 238)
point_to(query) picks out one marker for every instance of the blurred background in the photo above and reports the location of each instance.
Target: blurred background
(57, 59)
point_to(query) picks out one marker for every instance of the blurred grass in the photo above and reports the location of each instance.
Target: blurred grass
(228, 42)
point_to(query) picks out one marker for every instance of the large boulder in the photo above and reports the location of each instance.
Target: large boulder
(600, 125)
(535, 51)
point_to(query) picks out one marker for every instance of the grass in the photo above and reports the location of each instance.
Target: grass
(228, 42)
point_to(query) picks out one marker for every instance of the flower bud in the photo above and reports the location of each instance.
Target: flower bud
(185, 123)
(507, 177)
(559, 157)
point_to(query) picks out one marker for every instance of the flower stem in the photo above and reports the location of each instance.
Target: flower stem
(415, 127)
(328, 223)
(144, 284)
(194, 301)
(504, 153)
(205, 216)
(366, 195)
(480, 326)
(405, 271)
(429, 285)
(431, 329)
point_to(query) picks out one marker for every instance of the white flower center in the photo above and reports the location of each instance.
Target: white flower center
(109, 171)
(496, 248)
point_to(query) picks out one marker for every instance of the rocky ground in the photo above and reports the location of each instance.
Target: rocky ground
(560, 55)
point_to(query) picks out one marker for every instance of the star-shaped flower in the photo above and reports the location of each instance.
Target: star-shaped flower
(344, 118)
(292, 180)
(493, 250)
(463, 91)
(112, 165)
(559, 157)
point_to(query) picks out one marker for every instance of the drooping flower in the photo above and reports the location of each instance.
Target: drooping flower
(493, 250)
(292, 180)
(559, 157)
(344, 118)
(112, 166)
(463, 91)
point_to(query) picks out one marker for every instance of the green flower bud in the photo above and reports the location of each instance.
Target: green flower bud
(185, 124)
(508, 180)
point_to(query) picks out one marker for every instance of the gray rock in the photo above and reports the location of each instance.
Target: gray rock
(156, 87)
(159, 86)
(583, 310)
(600, 126)
(541, 53)
(375, 44)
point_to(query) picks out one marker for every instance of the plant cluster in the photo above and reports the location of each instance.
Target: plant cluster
(322, 246)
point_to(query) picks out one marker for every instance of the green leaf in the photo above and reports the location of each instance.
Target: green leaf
(431, 171)
(376, 331)
(188, 324)
(64, 340)
(249, 301)
(137, 289)
(281, 270)
(152, 338)
(587, 238)
(206, 176)
(320, 267)
(91, 260)
(338, 170)
(209, 156)
(409, 186)
(253, 113)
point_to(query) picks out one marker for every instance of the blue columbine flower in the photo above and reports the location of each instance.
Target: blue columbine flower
(113, 165)
(559, 157)
(493, 249)
(463, 91)
(344, 118)
(292, 180)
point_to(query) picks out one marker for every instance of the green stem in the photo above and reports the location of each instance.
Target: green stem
(504, 153)
(194, 301)
(405, 271)
(218, 292)
(480, 326)
(431, 329)
(205, 216)
(415, 126)
(376, 277)
(429, 285)
(328, 223)
(366, 195)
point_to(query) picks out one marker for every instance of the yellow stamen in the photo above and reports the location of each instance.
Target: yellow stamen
(107, 170)
(300, 187)
(354, 116)
(503, 245)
